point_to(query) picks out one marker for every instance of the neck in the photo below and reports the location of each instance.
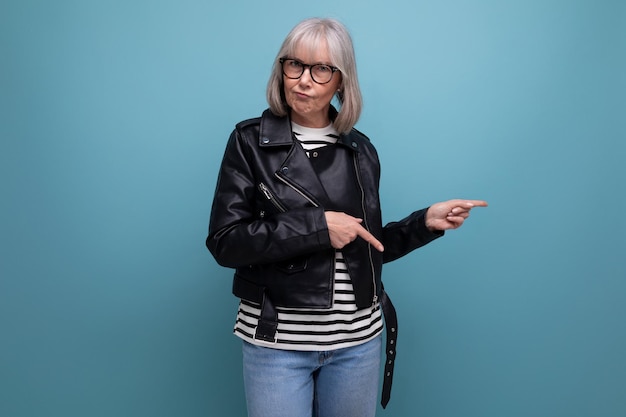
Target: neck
(311, 121)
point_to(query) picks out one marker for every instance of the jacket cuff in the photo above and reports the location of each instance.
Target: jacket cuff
(323, 236)
(425, 231)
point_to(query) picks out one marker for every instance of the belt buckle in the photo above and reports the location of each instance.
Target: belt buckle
(265, 339)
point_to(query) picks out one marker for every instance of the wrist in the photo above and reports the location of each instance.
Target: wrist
(428, 222)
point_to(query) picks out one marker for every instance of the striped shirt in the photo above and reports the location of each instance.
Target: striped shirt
(342, 325)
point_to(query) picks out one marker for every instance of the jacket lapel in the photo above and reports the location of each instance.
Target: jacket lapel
(296, 169)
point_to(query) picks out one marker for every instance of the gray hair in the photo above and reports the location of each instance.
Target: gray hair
(312, 33)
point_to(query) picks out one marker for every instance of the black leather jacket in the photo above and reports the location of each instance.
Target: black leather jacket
(268, 221)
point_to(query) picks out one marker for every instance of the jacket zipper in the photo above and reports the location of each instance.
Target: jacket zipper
(271, 198)
(369, 247)
(293, 187)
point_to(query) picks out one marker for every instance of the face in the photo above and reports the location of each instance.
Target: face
(310, 101)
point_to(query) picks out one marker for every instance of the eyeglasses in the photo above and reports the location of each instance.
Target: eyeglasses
(320, 73)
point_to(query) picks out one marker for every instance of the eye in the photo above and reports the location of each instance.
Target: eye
(322, 69)
(294, 64)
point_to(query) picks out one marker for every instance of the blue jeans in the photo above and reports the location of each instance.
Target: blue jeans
(336, 383)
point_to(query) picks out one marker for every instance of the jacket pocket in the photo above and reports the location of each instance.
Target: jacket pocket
(271, 198)
(293, 265)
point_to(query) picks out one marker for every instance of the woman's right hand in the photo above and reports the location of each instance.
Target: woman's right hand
(344, 228)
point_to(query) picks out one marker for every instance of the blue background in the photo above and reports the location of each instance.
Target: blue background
(113, 120)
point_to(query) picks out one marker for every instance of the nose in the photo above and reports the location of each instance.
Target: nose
(305, 78)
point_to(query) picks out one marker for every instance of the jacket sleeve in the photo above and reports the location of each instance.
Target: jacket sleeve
(406, 235)
(238, 236)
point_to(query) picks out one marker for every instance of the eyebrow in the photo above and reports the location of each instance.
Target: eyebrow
(305, 63)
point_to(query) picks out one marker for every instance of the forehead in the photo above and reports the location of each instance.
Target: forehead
(312, 52)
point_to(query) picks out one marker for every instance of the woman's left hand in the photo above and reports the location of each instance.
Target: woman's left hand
(450, 214)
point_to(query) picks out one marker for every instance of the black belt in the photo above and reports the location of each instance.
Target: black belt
(268, 323)
(391, 324)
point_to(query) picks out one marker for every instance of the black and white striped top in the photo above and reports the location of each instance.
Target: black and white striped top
(343, 325)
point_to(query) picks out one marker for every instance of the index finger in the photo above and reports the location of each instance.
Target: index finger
(473, 203)
(368, 237)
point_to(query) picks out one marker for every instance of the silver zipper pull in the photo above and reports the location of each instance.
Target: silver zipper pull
(270, 197)
(265, 191)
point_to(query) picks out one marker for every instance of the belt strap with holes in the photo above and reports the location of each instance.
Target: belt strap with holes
(391, 324)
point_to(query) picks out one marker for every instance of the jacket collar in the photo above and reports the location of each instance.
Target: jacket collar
(276, 131)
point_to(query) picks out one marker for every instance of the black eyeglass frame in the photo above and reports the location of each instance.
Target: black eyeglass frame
(304, 67)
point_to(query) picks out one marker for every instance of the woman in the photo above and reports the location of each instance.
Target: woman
(296, 212)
